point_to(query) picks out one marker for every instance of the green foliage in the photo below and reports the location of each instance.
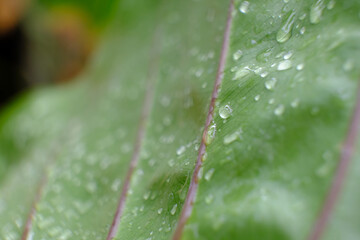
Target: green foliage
(282, 113)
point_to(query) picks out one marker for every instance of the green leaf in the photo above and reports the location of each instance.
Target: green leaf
(250, 108)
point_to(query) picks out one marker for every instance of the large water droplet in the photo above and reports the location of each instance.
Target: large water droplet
(270, 84)
(225, 111)
(285, 31)
(316, 11)
(284, 65)
(244, 7)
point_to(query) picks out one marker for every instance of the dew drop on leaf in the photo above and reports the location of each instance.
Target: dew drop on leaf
(300, 67)
(302, 30)
(209, 174)
(316, 11)
(237, 55)
(244, 7)
(225, 111)
(180, 150)
(284, 65)
(295, 103)
(173, 210)
(209, 198)
(279, 110)
(331, 4)
(210, 134)
(284, 33)
(270, 84)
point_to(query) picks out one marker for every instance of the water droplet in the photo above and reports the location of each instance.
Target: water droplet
(244, 7)
(173, 210)
(302, 17)
(279, 110)
(199, 72)
(295, 103)
(300, 67)
(237, 55)
(159, 211)
(270, 84)
(116, 185)
(204, 157)
(348, 65)
(147, 195)
(210, 135)
(225, 111)
(180, 150)
(264, 74)
(209, 174)
(171, 162)
(331, 4)
(284, 65)
(288, 55)
(209, 198)
(316, 11)
(232, 137)
(241, 73)
(302, 30)
(257, 98)
(285, 31)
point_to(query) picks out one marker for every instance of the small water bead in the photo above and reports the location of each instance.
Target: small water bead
(316, 11)
(180, 150)
(302, 30)
(171, 162)
(225, 112)
(331, 4)
(300, 67)
(264, 74)
(244, 7)
(209, 174)
(279, 110)
(295, 103)
(270, 84)
(284, 33)
(302, 17)
(288, 55)
(159, 211)
(284, 65)
(173, 210)
(237, 55)
(210, 135)
(204, 157)
(257, 98)
(147, 195)
(209, 198)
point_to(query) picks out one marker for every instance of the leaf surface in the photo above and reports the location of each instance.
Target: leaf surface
(135, 123)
